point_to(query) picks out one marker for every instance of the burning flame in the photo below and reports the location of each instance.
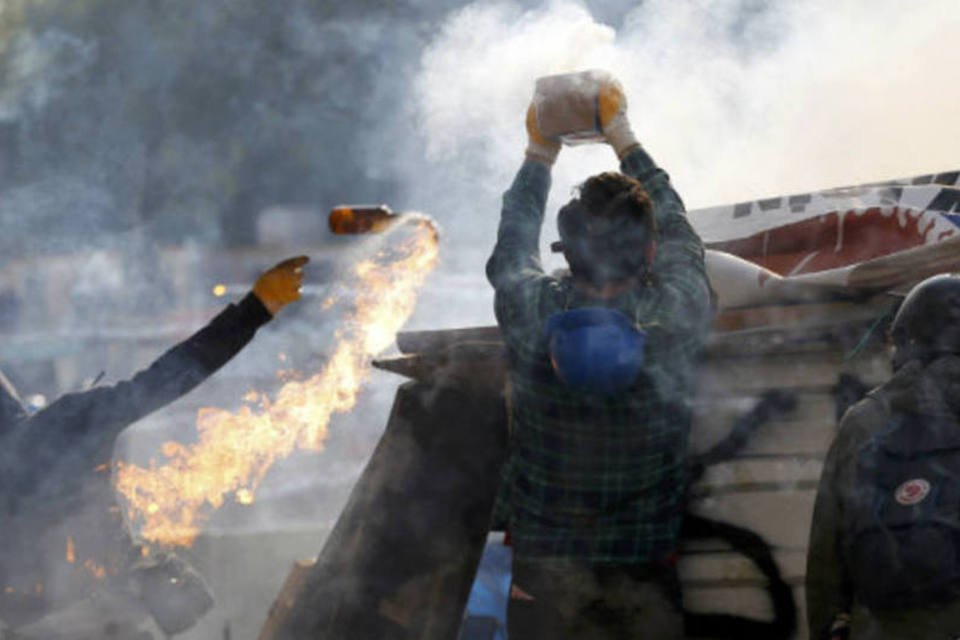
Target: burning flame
(236, 449)
(71, 551)
(98, 572)
(36, 590)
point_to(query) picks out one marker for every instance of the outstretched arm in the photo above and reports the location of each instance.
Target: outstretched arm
(76, 432)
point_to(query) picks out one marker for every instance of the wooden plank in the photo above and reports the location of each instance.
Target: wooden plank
(798, 316)
(713, 417)
(906, 267)
(821, 333)
(792, 438)
(755, 327)
(805, 371)
(758, 330)
(726, 582)
(751, 602)
(810, 406)
(782, 518)
(477, 365)
(779, 474)
(746, 601)
(806, 430)
(442, 339)
(730, 570)
(483, 365)
(760, 342)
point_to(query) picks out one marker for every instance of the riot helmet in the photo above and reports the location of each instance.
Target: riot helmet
(928, 321)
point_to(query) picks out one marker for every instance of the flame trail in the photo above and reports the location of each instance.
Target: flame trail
(236, 449)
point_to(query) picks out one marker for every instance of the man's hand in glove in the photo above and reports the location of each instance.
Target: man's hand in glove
(279, 286)
(612, 108)
(539, 147)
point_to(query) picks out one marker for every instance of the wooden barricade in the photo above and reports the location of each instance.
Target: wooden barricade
(400, 561)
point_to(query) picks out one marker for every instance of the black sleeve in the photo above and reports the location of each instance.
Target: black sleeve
(76, 432)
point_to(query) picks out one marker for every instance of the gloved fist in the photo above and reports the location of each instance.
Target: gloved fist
(539, 147)
(612, 112)
(280, 285)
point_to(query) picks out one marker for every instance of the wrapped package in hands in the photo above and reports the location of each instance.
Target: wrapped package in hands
(567, 106)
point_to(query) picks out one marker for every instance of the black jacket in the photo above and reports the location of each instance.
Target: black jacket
(44, 454)
(930, 390)
(50, 486)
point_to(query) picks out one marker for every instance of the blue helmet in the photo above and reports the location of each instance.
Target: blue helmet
(595, 349)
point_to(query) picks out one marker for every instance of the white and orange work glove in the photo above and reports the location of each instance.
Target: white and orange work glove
(280, 285)
(539, 147)
(612, 108)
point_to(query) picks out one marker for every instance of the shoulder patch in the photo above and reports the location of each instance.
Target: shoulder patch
(912, 492)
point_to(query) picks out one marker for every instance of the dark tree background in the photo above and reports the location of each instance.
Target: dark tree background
(190, 117)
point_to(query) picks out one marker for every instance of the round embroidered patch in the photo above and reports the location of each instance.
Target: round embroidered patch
(912, 491)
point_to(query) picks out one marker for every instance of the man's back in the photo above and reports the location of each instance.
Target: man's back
(600, 477)
(596, 468)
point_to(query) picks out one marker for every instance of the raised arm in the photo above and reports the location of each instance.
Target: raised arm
(682, 287)
(523, 292)
(683, 303)
(76, 432)
(516, 256)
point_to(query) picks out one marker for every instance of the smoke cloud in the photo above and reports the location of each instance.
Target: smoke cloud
(736, 99)
(423, 107)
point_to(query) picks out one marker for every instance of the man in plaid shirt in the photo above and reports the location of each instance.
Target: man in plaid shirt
(594, 482)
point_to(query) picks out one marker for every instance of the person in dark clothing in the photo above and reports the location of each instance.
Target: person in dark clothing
(596, 474)
(55, 463)
(882, 557)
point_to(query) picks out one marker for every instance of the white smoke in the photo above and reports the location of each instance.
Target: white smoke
(39, 64)
(736, 99)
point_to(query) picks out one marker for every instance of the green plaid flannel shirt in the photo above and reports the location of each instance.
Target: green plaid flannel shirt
(598, 478)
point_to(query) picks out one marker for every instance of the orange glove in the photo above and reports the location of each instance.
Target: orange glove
(280, 285)
(612, 108)
(539, 147)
